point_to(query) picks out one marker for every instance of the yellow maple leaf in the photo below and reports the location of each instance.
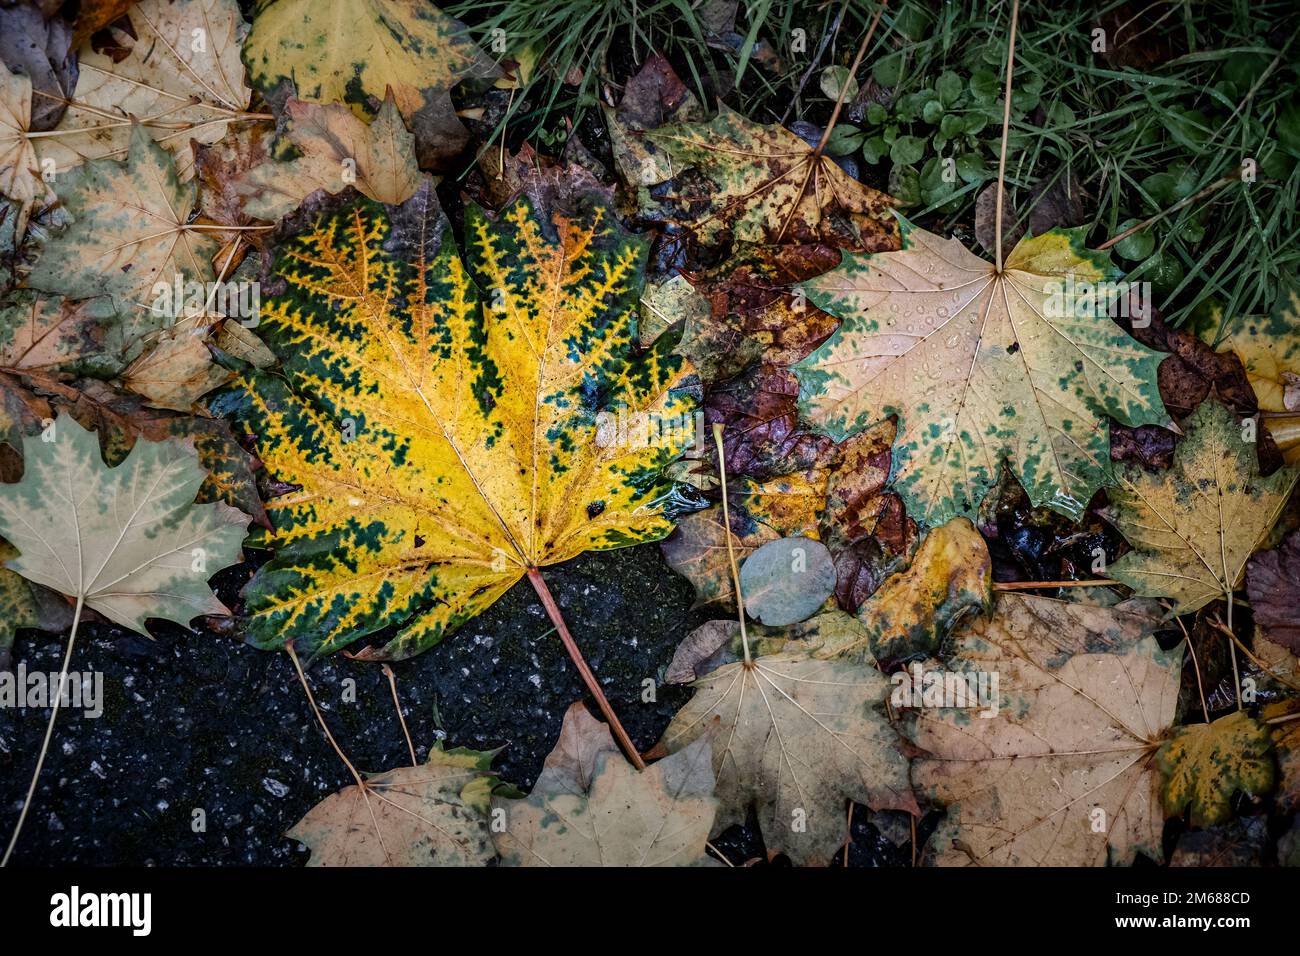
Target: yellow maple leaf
(443, 416)
(1194, 526)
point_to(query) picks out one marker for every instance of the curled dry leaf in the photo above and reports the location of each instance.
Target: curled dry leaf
(798, 737)
(1193, 527)
(1205, 764)
(979, 369)
(1084, 699)
(590, 807)
(337, 150)
(763, 184)
(911, 613)
(1273, 583)
(143, 547)
(431, 815)
(438, 412)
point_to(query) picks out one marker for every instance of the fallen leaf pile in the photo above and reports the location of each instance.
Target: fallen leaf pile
(231, 298)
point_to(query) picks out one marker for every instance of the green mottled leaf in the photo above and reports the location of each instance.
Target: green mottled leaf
(130, 230)
(450, 421)
(128, 540)
(980, 368)
(1203, 765)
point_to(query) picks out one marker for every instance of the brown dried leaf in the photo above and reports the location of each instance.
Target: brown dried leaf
(1273, 583)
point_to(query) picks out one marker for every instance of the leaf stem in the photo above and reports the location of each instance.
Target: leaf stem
(1205, 709)
(1030, 585)
(1236, 674)
(360, 781)
(401, 717)
(1006, 125)
(731, 552)
(588, 678)
(311, 699)
(49, 731)
(1254, 660)
(853, 70)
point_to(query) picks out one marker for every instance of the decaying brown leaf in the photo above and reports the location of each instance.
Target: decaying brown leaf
(590, 807)
(1273, 583)
(1061, 771)
(431, 815)
(798, 737)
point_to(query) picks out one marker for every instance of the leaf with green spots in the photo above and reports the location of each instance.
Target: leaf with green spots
(1194, 526)
(131, 230)
(1050, 761)
(121, 420)
(431, 815)
(980, 367)
(797, 737)
(1203, 765)
(763, 184)
(129, 540)
(589, 806)
(446, 417)
(350, 51)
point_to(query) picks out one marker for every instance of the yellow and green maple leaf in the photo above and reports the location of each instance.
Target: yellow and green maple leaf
(981, 367)
(442, 415)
